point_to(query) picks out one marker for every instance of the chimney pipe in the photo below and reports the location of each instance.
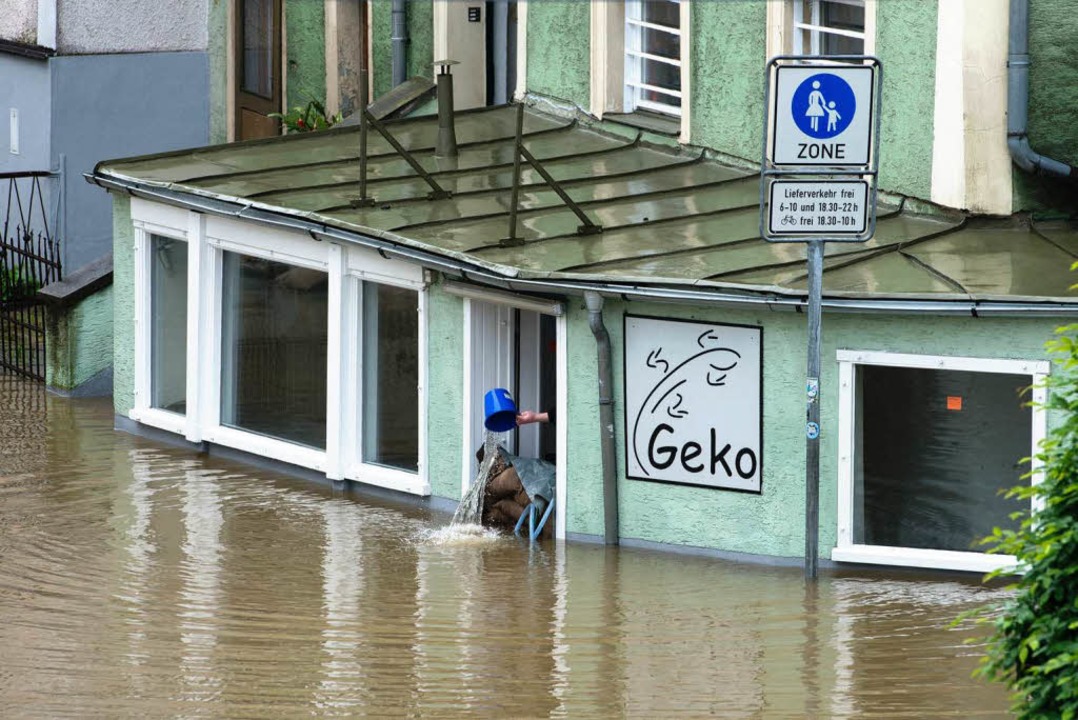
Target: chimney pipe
(447, 131)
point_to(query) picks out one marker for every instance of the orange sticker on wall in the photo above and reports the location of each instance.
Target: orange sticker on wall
(954, 402)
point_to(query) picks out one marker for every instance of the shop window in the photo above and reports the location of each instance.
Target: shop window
(926, 447)
(273, 349)
(829, 27)
(653, 56)
(168, 324)
(390, 407)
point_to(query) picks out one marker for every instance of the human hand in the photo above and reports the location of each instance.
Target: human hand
(527, 417)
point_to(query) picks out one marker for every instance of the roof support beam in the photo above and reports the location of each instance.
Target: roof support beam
(437, 192)
(587, 227)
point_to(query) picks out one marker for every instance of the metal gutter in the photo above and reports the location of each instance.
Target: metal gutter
(1023, 155)
(399, 38)
(594, 303)
(390, 244)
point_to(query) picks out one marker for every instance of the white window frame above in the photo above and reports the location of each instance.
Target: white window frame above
(635, 58)
(848, 362)
(208, 237)
(786, 19)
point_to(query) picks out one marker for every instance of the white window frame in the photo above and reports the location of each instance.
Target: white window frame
(561, 392)
(848, 362)
(208, 238)
(784, 35)
(635, 57)
(143, 411)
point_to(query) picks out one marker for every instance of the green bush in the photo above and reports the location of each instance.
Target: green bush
(15, 283)
(309, 118)
(1034, 644)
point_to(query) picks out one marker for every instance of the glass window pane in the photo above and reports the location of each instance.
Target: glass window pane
(168, 324)
(936, 447)
(663, 44)
(273, 349)
(661, 12)
(258, 47)
(843, 17)
(390, 376)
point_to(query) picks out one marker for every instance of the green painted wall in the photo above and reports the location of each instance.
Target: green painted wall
(445, 393)
(420, 49)
(1053, 105)
(771, 523)
(80, 343)
(218, 56)
(559, 55)
(305, 29)
(906, 44)
(123, 305)
(727, 76)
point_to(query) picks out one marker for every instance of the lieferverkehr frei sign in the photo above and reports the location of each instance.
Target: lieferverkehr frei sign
(823, 116)
(815, 207)
(693, 403)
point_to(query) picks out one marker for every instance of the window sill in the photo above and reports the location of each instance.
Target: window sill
(915, 557)
(647, 121)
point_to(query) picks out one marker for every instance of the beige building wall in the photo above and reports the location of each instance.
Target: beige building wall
(971, 165)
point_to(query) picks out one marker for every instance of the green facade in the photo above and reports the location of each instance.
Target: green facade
(80, 344)
(1053, 105)
(305, 30)
(559, 58)
(123, 305)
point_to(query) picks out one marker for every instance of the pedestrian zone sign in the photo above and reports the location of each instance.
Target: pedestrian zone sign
(823, 116)
(819, 165)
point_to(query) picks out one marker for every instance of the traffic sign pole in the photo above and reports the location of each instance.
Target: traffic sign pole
(812, 414)
(818, 185)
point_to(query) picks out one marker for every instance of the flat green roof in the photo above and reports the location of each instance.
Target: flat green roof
(671, 217)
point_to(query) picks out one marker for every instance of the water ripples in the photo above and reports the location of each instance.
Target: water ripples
(141, 580)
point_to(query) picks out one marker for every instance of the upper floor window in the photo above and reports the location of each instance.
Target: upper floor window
(653, 59)
(829, 27)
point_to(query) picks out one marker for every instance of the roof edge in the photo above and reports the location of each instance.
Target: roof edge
(453, 265)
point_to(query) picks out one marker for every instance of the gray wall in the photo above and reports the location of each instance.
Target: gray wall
(18, 21)
(123, 26)
(114, 106)
(24, 85)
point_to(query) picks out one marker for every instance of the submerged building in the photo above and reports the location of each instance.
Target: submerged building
(342, 305)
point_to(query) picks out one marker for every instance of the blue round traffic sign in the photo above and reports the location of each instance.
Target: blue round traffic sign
(823, 106)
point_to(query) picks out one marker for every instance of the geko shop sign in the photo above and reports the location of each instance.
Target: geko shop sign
(693, 403)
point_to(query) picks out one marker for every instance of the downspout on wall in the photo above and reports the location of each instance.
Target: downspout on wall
(400, 40)
(1018, 100)
(594, 302)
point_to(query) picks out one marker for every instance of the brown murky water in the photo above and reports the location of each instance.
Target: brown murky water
(138, 580)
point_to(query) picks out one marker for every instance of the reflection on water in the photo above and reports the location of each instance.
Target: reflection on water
(141, 580)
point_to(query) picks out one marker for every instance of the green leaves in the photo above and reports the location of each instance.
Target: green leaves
(309, 118)
(1034, 644)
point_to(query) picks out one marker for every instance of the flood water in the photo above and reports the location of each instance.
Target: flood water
(138, 580)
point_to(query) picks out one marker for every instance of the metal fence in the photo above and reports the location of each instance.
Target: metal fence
(29, 260)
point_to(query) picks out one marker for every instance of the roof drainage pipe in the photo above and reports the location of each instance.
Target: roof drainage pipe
(594, 302)
(400, 40)
(1018, 100)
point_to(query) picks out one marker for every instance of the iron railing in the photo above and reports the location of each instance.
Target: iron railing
(29, 260)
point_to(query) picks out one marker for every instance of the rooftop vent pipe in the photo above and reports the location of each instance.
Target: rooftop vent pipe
(1018, 100)
(446, 146)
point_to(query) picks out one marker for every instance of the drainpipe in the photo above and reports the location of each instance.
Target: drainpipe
(594, 303)
(1018, 100)
(400, 40)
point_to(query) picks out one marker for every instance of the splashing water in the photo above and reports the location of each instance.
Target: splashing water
(470, 510)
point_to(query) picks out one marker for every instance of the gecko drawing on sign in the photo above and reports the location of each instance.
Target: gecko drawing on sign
(693, 385)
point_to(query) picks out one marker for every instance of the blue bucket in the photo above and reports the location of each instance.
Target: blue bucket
(499, 410)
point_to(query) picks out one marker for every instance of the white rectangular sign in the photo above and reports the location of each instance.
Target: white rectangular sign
(817, 207)
(693, 403)
(822, 115)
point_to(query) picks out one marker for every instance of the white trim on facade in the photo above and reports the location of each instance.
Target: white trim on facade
(208, 237)
(46, 23)
(848, 360)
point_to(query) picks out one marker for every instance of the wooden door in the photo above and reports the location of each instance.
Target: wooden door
(258, 68)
